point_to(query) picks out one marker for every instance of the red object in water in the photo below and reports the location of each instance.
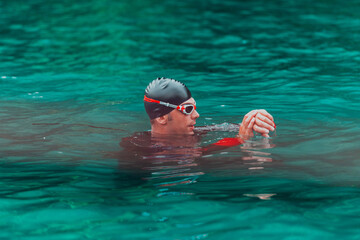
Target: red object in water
(229, 142)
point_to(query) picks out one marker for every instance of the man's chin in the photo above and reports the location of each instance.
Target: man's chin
(191, 130)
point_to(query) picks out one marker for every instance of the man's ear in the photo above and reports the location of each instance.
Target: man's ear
(162, 120)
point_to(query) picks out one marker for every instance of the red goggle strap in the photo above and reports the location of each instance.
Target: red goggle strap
(146, 99)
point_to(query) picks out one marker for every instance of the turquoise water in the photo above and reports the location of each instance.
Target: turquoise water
(72, 76)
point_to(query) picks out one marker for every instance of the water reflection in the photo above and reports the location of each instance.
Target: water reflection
(254, 156)
(164, 162)
(261, 196)
(171, 164)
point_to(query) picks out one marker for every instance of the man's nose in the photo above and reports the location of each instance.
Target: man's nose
(195, 114)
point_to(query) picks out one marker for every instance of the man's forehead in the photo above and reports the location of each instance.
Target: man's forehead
(191, 100)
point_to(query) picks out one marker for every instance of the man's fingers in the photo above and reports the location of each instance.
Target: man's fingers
(265, 119)
(259, 121)
(264, 122)
(260, 130)
(246, 128)
(249, 114)
(251, 124)
(249, 118)
(263, 113)
(266, 114)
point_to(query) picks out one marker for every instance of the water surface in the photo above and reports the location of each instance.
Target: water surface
(72, 77)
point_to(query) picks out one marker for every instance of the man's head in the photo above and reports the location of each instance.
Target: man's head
(170, 107)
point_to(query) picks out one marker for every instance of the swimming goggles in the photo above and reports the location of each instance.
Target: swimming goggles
(185, 109)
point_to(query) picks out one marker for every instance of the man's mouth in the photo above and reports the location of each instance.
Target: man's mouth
(192, 126)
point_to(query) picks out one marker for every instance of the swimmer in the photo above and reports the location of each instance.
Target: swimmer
(172, 111)
(173, 148)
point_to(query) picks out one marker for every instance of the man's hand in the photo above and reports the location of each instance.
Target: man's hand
(259, 121)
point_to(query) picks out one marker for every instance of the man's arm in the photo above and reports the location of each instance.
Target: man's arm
(222, 144)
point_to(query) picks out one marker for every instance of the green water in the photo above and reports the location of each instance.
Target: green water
(72, 76)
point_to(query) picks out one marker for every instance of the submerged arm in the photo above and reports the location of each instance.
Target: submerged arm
(222, 144)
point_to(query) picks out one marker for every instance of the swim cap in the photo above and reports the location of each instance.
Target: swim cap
(165, 90)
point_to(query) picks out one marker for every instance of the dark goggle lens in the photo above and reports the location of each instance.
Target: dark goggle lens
(189, 109)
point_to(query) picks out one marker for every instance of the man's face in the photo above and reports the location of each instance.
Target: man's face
(180, 123)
